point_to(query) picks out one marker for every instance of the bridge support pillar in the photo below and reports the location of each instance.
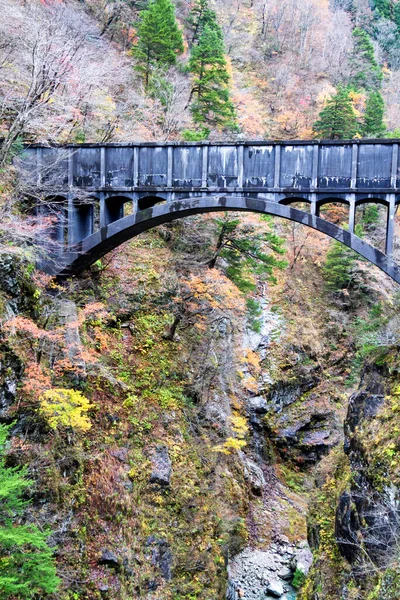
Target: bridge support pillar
(204, 167)
(113, 210)
(352, 213)
(314, 206)
(80, 221)
(70, 219)
(83, 222)
(390, 224)
(102, 201)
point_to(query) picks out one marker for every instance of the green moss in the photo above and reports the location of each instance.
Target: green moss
(292, 478)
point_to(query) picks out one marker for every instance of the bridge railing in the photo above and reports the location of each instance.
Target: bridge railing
(256, 166)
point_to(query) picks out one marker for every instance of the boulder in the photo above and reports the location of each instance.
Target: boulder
(161, 466)
(254, 475)
(275, 588)
(258, 404)
(303, 559)
(285, 573)
(109, 558)
(161, 556)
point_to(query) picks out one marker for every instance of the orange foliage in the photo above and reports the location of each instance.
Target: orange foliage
(29, 330)
(93, 309)
(335, 212)
(35, 381)
(214, 289)
(36, 345)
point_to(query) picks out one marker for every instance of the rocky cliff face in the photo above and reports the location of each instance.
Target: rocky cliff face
(276, 547)
(195, 477)
(366, 519)
(179, 487)
(207, 445)
(359, 496)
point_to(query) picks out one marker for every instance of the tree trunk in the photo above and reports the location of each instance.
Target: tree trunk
(171, 333)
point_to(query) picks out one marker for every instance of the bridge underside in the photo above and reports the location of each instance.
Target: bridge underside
(146, 215)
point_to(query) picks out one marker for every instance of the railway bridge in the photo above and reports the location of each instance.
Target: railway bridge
(101, 195)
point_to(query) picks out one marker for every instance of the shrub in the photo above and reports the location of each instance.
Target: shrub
(65, 408)
(240, 430)
(298, 579)
(195, 135)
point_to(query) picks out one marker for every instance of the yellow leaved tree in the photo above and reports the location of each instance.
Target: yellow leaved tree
(239, 429)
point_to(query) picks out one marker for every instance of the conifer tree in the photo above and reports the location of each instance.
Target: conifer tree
(337, 120)
(160, 39)
(373, 118)
(211, 104)
(340, 269)
(384, 7)
(396, 15)
(200, 16)
(246, 251)
(27, 567)
(365, 71)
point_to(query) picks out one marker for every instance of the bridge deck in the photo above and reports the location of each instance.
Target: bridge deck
(254, 166)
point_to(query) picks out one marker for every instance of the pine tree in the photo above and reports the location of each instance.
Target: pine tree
(365, 71)
(384, 7)
(27, 567)
(337, 120)
(200, 16)
(160, 39)
(396, 15)
(339, 267)
(373, 118)
(248, 252)
(211, 104)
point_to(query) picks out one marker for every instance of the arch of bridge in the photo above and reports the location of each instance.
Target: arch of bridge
(107, 238)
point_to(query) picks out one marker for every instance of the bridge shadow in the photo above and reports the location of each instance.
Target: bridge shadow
(302, 204)
(149, 201)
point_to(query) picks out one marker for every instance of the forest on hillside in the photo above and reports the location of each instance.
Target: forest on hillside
(210, 411)
(119, 70)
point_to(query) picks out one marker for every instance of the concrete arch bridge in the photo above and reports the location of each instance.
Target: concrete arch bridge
(101, 195)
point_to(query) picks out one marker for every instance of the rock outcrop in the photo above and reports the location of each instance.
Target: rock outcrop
(367, 522)
(161, 466)
(261, 574)
(11, 370)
